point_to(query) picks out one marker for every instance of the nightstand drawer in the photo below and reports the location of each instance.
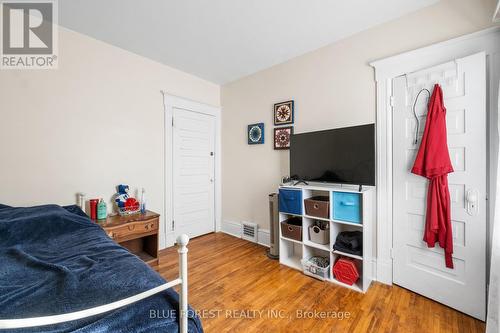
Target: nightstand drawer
(132, 229)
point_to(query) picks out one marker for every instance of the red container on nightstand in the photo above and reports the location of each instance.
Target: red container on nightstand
(93, 208)
(345, 271)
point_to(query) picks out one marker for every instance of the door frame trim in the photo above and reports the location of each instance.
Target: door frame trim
(386, 70)
(170, 102)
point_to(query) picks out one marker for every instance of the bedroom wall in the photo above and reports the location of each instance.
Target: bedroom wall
(95, 122)
(332, 87)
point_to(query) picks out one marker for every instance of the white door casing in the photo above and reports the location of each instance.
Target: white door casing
(193, 172)
(415, 266)
(171, 102)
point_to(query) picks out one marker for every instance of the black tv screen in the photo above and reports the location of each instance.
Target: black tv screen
(343, 155)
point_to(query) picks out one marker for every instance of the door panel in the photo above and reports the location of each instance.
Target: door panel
(415, 266)
(193, 178)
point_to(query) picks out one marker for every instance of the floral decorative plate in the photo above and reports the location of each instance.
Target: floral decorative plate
(256, 134)
(282, 137)
(283, 113)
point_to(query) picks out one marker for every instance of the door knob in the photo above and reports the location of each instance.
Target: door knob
(472, 198)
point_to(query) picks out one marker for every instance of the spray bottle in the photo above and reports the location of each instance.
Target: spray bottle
(143, 201)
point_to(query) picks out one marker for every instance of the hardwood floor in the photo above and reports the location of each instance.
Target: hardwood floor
(237, 288)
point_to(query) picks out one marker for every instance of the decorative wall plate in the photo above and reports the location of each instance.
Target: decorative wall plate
(283, 113)
(256, 134)
(282, 137)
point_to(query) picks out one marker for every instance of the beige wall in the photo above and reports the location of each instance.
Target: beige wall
(95, 122)
(332, 87)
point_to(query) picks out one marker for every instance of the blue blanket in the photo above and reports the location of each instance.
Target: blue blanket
(55, 260)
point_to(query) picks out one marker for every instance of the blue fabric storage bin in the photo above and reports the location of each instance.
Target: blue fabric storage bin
(290, 201)
(347, 207)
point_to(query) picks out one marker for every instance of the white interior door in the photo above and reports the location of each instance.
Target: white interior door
(415, 266)
(193, 172)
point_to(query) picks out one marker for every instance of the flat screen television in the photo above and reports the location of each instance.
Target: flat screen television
(343, 155)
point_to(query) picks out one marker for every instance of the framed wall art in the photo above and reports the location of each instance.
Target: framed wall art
(255, 134)
(282, 137)
(283, 113)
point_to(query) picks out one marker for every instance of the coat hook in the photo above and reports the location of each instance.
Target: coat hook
(415, 111)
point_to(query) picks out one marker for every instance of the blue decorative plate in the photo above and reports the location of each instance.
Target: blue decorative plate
(256, 134)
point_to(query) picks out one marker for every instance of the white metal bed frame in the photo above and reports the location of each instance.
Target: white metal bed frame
(182, 242)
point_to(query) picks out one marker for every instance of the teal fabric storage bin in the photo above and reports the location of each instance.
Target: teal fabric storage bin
(290, 201)
(347, 207)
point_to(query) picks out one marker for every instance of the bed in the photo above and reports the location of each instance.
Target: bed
(58, 267)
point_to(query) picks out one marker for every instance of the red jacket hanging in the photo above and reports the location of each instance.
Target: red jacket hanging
(433, 162)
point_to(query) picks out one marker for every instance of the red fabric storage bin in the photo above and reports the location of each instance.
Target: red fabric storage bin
(345, 271)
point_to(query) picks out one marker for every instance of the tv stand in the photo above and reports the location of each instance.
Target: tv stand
(360, 188)
(300, 182)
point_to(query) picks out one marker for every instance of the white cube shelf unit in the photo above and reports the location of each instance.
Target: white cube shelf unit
(293, 251)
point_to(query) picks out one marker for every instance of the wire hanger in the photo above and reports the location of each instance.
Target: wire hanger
(415, 111)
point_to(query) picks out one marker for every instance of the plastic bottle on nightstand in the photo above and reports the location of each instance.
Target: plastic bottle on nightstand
(143, 201)
(102, 211)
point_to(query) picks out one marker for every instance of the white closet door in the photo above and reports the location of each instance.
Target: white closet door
(193, 172)
(415, 266)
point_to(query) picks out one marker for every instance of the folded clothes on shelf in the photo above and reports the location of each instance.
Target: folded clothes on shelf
(349, 242)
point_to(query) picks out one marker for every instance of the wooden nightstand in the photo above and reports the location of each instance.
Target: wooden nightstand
(137, 233)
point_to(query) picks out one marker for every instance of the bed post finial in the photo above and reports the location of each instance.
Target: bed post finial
(182, 241)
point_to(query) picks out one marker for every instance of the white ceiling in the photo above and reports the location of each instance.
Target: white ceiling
(224, 40)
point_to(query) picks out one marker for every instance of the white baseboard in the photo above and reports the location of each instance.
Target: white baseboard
(264, 237)
(234, 229)
(231, 228)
